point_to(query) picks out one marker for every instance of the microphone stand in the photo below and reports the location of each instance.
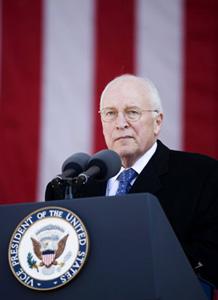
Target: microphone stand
(68, 194)
(72, 184)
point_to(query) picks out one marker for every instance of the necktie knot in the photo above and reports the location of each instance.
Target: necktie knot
(125, 178)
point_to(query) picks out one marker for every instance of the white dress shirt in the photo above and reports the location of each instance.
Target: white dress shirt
(113, 182)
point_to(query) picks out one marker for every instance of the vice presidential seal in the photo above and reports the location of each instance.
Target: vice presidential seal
(48, 248)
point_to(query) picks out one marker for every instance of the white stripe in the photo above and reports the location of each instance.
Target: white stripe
(67, 84)
(159, 57)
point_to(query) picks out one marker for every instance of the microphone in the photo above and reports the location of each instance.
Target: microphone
(102, 166)
(74, 165)
(61, 187)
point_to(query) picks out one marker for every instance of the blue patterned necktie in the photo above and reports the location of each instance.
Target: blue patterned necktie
(124, 179)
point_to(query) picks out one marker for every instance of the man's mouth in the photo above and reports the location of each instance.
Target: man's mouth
(126, 137)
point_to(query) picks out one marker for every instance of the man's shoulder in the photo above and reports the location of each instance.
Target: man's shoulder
(193, 157)
(185, 159)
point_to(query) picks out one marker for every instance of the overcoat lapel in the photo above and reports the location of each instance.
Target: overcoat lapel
(149, 179)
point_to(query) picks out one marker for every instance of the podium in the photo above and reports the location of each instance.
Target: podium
(133, 254)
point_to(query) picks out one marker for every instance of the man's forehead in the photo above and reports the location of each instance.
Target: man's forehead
(133, 85)
(126, 106)
(127, 96)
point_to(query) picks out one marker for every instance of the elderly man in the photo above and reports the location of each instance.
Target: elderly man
(186, 184)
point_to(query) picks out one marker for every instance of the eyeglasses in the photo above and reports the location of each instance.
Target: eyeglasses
(131, 114)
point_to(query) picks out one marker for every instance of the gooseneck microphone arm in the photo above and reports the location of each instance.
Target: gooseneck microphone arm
(84, 177)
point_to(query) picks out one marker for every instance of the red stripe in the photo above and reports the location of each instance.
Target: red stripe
(215, 296)
(20, 99)
(201, 72)
(115, 28)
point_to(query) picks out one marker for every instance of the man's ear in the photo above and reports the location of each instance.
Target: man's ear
(158, 123)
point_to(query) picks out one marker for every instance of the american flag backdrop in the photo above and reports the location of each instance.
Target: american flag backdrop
(56, 57)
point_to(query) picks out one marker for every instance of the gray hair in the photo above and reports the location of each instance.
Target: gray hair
(147, 83)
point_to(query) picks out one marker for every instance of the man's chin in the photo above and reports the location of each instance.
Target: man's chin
(125, 151)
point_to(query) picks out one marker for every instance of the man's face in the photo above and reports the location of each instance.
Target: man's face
(130, 139)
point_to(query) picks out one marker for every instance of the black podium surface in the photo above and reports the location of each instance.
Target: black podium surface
(134, 253)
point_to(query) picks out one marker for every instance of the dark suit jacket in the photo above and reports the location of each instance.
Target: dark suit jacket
(186, 185)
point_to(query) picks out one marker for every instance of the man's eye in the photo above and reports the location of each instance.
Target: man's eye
(110, 113)
(132, 112)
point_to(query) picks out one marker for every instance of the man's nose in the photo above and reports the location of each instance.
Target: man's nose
(121, 121)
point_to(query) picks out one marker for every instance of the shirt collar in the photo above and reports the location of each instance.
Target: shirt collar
(140, 163)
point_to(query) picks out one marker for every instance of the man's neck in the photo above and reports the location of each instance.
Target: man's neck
(129, 161)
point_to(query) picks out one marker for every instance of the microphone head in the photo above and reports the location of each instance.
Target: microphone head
(75, 164)
(109, 163)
